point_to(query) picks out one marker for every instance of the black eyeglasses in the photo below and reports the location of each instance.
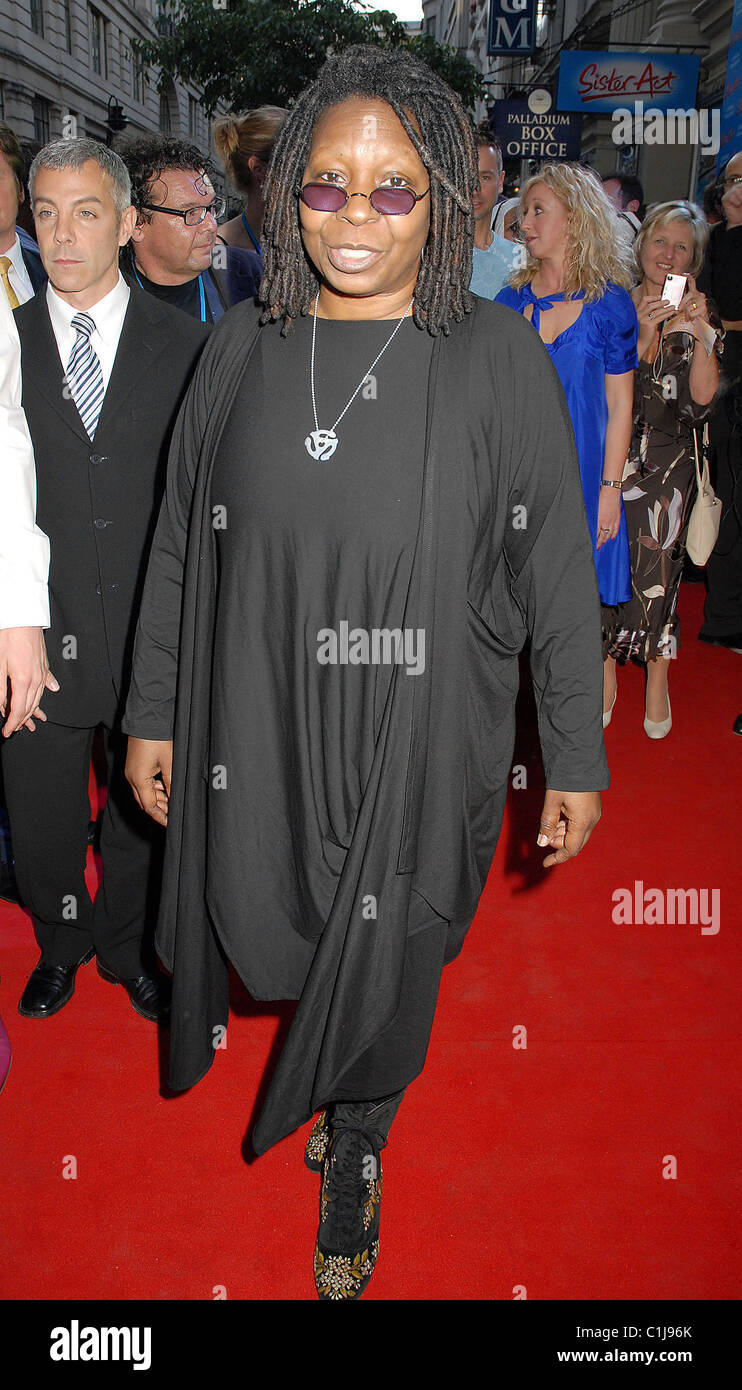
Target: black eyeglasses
(390, 202)
(191, 216)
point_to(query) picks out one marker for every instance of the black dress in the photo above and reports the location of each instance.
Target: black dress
(314, 558)
(311, 555)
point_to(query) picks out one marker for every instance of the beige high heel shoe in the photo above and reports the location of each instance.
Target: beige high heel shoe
(608, 714)
(658, 728)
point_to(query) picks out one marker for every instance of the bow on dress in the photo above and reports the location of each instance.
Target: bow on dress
(546, 302)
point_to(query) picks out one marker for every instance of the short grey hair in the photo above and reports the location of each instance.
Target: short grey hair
(681, 210)
(72, 154)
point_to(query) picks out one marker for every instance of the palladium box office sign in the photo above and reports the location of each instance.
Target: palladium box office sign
(599, 82)
(525, 134)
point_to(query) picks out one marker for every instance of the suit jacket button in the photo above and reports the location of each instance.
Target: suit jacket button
(98, 589)
(95, 458)
(100, 524)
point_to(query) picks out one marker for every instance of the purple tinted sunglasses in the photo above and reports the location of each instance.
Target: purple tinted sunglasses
(390, 202)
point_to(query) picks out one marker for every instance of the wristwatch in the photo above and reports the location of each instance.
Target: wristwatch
(608, 482)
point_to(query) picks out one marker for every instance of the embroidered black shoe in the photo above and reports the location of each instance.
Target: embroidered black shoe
(319, 1138)
(347, 1245)
(377, 1114)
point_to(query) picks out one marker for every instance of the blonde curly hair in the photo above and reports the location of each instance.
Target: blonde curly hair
(596, 253)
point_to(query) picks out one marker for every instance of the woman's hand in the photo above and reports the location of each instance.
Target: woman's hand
(651, 311)
(567, 822)
(609, 515)
(692, 311)
(146, 760)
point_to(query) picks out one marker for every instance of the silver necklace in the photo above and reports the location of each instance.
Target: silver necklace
(321, 444)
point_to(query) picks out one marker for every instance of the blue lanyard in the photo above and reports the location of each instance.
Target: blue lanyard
(251, 234)
(201, 295)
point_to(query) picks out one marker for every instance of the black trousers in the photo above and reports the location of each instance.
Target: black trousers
(46, 792)
(398, 1055)
(723, 610)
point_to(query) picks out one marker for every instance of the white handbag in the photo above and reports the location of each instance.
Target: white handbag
(705, 518)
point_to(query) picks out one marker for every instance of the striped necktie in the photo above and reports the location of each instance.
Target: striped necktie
(84, 375)
(5, 264)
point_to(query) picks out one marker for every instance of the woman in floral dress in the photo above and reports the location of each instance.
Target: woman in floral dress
(676, 385)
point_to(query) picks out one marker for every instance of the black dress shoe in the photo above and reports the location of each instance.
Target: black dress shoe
(737, 725)
(49, 988)
(149, 995)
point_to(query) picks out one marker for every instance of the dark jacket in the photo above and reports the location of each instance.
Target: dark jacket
(32, 260)
(98, 501)
(234, 276)
(433, 804)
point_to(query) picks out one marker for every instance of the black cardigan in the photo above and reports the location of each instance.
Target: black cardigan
(430, 814)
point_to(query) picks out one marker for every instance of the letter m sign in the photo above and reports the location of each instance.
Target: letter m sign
(512, 27)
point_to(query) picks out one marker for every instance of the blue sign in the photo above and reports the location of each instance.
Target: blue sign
(522, 135)
(512, 27)
(731, 107)
(611, 81)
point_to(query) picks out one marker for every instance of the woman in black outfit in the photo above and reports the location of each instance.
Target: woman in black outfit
(373, 498)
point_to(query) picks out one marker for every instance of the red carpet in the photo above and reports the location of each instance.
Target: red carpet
(539, 1167)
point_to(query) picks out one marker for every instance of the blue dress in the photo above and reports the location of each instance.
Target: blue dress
(602, 340)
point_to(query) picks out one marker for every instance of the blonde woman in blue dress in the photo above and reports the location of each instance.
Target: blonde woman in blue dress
(574, 288)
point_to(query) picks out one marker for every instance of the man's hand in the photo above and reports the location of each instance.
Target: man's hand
(567, 822)
(23, 663)
(149, 759)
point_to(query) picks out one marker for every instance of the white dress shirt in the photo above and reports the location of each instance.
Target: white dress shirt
(24, 549)
(108, 315)
(17, 273)
(629, 226)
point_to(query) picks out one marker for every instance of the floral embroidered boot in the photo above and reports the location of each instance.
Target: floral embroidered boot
(347, 1246)
(319, 1138)
(377, 1113)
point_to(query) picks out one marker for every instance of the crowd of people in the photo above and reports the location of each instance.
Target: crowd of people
(329, 828)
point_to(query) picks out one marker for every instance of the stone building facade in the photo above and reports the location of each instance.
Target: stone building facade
(61, 61)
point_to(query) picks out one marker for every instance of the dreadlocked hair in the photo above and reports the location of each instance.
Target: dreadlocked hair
(446, 144)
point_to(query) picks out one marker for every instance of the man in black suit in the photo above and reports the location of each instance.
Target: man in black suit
(104, 369)
(173, 253)
(21, 271)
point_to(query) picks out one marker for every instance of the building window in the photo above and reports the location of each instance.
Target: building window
(37, 18)
(137, 70)
(123, 62)
(40, 107)
(2, 103)
(165, 125)
(97, 42)
(67, 25)
(429, 26)
(192, 118)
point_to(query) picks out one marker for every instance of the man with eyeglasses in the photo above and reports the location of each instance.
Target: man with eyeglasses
(173, 253)
(721, 279)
